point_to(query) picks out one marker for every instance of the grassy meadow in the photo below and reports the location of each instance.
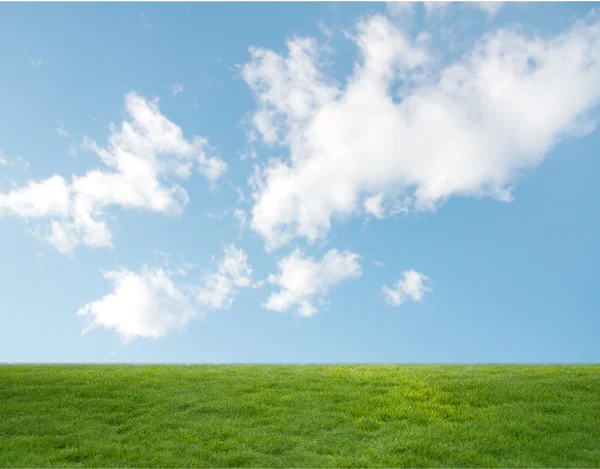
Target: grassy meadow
(299, 416)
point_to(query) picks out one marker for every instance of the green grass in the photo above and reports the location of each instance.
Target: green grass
(301, 416)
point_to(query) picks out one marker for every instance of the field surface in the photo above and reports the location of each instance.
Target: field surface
(299, 416)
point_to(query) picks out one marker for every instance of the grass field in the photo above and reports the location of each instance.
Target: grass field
(301, 416)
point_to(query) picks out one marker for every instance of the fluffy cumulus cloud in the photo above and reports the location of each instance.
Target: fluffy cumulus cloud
(143, 304)
(138, 160)
(155, 300)
(303, 280)
(410, 286)
(47, 198)
(405, 132)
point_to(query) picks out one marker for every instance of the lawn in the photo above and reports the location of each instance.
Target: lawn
(299, 416)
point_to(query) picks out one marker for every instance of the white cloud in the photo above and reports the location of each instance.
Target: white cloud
(248, 154)
(63, 237)
(219, 288)
(302, 279)
(14, 161)
(435, 8)
(241, 217)
(35, 62)
(138, 159)
(154, 301)
(47, 198)
(73, 150)
(373, 205)
(469, 128)
(289, 90)
(176, 88)
(445, 11)
(378, 263)
(61, 132)
(241, 197)
(400, 9)
(491, 8)
(440, 8)
(410, 285)
(145, 304)
(402, 14)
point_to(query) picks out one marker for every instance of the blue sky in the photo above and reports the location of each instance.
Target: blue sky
(295, 182)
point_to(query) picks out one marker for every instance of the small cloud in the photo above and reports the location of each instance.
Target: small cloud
(241, 217)
(73, 150)
(328, 32)
(22, 161)
(155, 300)
(61, 132)
(219, 288)
(144, 24)
(491, 8)
(410, 285)
(378, 263)
(218, 216)
(35, 63)
(435, 8)
(5, 160)
(176, 88)
(402, 14)
(304, 281)
(248, 154)
(241, 196)
(161, 257)
(400, 9)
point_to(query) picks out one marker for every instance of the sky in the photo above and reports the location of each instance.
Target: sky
(299, 182)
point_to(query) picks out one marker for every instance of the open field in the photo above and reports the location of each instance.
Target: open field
(299, 415)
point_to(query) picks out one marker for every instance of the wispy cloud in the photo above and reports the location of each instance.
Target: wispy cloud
(6, 160)
(144, 24)
(176, 88)
(491, 8)
(241, 218)
(61, 132)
